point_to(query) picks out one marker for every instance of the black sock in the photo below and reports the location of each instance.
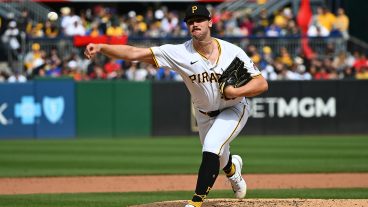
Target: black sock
(208, 172)
(227, 168)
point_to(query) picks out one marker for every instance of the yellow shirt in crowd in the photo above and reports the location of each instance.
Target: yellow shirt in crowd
(327, 20)
(342, 23)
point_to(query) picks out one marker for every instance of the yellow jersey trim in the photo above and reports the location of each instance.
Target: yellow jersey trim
(199, 52)
(219, 49)
(154, 58)
(241, 117)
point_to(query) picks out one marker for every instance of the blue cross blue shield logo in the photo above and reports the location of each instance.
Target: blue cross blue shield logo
(53, 108)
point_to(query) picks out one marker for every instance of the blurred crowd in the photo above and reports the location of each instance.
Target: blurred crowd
(161, 22)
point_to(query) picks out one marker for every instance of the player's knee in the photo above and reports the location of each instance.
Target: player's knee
(213, 149)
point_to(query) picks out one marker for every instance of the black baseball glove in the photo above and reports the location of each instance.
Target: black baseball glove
(235, 75)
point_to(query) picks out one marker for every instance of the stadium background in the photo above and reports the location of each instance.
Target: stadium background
(73, 125)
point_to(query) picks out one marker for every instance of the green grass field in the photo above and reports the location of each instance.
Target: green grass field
(127, 156)
(308, 154)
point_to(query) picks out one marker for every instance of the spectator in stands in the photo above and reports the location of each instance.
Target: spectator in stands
(53, 64)
(94, 30)
(219, 29)
(325, 18)
(280, 70)
(169, 22)
(266, 57)
(231, 26)
(149, 16)
(362, 74)
(329, 50)
(348, 73)
(340, 61)
(246, 26)
(315, 29)
(280, 19)
(76, 28)
(66, 18)
(103, 18)
(341, 23)
(115, 30)
(285, 57)
(34, 59)
(51, 30)
(253, 54)
(327, 65)
(111, 68)
(136, 72)
(360, 62)
(74, 71)
(151, 70)
(320, 74)
(84, 19)
(125, 25)
(11, 40)
(292, 29)
(273, 31)
(70, 21)
(261, 23)
(25, 22)
(37, 30)
(301, 69)
(165, 75)
(3, 76)
(98, 73)
(154, 30)
(266, 64)
(293, 73)
(17, 77)
(141, 24)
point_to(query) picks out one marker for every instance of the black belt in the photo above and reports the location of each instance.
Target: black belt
(211, 113)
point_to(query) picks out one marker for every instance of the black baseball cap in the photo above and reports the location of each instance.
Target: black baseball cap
(197, 10)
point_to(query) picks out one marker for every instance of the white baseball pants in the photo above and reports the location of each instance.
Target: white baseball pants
(216, 133)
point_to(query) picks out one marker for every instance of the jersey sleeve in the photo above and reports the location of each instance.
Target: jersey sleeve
(249, 64)
(164, 56)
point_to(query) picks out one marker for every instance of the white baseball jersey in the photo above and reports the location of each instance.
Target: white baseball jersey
(201, 78)
(199, 74)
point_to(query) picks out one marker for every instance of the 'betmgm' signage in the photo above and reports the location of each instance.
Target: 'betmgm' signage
(306, 107)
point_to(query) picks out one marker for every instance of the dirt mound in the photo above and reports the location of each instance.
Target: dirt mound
(267, 203)
(89, 184)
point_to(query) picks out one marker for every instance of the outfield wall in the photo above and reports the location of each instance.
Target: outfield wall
(288, 107)
(64, 109)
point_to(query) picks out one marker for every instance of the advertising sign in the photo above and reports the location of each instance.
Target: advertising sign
(58, 108)
(19, 111)
(44, 109)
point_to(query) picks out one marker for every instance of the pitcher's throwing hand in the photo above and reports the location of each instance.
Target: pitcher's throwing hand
(91, 50)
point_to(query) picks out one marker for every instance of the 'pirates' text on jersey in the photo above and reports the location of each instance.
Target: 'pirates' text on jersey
(199, 74)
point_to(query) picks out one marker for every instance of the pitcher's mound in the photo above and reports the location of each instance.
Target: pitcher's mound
(267, 203)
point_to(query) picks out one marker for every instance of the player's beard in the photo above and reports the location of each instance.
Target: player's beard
(201, 35)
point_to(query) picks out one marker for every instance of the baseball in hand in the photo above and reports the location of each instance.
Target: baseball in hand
(52, 16)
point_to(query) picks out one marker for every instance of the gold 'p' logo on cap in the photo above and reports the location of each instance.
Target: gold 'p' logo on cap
(194, 8)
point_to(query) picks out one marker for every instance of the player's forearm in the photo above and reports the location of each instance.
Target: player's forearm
(255, 87)
(124, 52)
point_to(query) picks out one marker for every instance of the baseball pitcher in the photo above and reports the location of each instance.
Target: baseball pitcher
(218, 75)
